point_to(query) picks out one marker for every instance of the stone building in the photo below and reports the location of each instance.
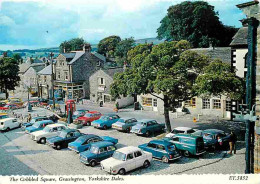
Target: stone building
(72, 71)
(44, 82)
(100, 83)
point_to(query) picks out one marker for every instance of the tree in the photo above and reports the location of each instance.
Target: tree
(122, 49)
(168, 71)
(18, 58)
(72, 45)
(8, 74)
(107, 46)
(196, 22)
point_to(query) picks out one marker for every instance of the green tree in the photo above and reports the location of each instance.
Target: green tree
(18, 58)
(168, 71)
(8, 74)
(107, 46)
(72, 45)
(196, 22)
(122, 49)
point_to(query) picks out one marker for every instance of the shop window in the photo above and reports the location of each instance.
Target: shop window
(147, 101)
(205, 103)
(216, 104)
(154, 102)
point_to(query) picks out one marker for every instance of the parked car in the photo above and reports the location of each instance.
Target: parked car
(83, 142)
(9, 123)
(188, 144)
(2, 104)
(147, 127)
(39, 125)
(124, 124)
(210, 138)
(181, 130)
(98, 151)
(161, 149)
(105, 121)
(3, 116)
(34, 102)
(33, 120)
(126, 159)
(63, 139)
(79, 113)
(43, 102)
(89, 117)
(9, 107)
(49, 131)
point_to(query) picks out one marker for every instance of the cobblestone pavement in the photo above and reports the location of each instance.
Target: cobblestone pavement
(20, 155)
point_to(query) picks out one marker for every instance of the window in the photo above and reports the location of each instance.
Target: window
(111, 148)
(176, 139)
(154, 102)
(190, 131)
(138, 153)
(58, 73)
(102, 150)
(44, 78)
(193, 102)
(151, 145)
(228, 105)
(55, 129)
(130, 156)
(160, 147)
(216, 104)
(147, 101)
(66, 75)
(205, 103)
(101, 81)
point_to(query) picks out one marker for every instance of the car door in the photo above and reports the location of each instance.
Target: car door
(130, 162)
(160, 150)
(102, 154)
(139, 160)
(176, 141)
(151, 148)
(53, 131)
(110, 150)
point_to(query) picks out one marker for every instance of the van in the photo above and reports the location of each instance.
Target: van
(188, 144)
(9, 123)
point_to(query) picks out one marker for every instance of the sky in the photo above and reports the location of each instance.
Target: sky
(46, 23)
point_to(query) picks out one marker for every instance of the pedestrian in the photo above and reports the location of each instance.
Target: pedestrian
(232, 142)
(29, 118)
(117, 106)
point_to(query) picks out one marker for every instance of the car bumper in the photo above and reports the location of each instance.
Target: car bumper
(83, 160)
(175, 158)
(108, 169)
(118, 128)
(96, 125)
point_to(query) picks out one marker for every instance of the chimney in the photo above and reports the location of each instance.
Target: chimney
(87, 48)
(211, 45)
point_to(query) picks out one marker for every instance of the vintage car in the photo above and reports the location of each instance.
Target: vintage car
(39, 125)
(162, 149)
(147, 127)
(188, 144)
(124, 124)
(3, 115)
(105, 121)
(126, 159)
(181, 130)
(9, 107)
(79, 113)
(2, 104)
(83, 142)
(33, 120)
(98, 151)
(9, 123)
(210, 137)
(49, 131)
(89, 117)
(63, 139)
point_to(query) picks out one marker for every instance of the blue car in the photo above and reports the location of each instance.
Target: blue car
(34, 119)
(84, 142)
(98, 151)
(39, 125)
(105, 121)
(161, 149)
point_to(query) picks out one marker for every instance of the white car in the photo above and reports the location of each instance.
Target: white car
(181, 130)
(9, 123)
(126, 159)
(49, 131)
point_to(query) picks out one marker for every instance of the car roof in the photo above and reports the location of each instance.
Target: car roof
(161, 142)
(186, 135)
(69, 130)
(126, 118)
(128, 149)
(88, 136)
(109, 114)
(45, 121)
(55, 125)
(183, 128)
(213, 131)
(146, 120)
(102, 143)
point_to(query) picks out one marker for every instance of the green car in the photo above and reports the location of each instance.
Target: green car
(188, 144)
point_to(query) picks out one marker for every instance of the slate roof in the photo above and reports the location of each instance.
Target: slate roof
(240, 38)
(111, 71)
(69, 55)
(77, 55)
(46, 71)
(38, 66)
(23, 67)
(37, 61)
(222, 53)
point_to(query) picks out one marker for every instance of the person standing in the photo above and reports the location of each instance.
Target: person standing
(232, 142)
(29, 118)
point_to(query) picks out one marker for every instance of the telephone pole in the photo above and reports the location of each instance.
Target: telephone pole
(52, 80)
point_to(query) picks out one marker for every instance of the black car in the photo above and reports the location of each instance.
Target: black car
(63, 139)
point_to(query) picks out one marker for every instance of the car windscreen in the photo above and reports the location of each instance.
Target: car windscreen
(94, 149)
(37, 124)
(88, 115)
(80, 139)
(104, 118)
(171, 147)
(140, 123)
(119, 156)
(207, 136)
(121, 121)
(46, 129)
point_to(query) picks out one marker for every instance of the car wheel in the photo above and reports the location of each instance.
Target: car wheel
(93, 163)
(43, 140)
(147, 134)
(121, 172)
(146, 164)
(165, 159)
(88, 123)
(186, 153)
(58, 147)
(104, 127)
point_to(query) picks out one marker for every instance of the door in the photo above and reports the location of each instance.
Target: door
(139, 161)
(155, 105)
(161, 151)
(130, 162)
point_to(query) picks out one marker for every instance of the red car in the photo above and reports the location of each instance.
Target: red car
(89, 117)
(9, 106)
